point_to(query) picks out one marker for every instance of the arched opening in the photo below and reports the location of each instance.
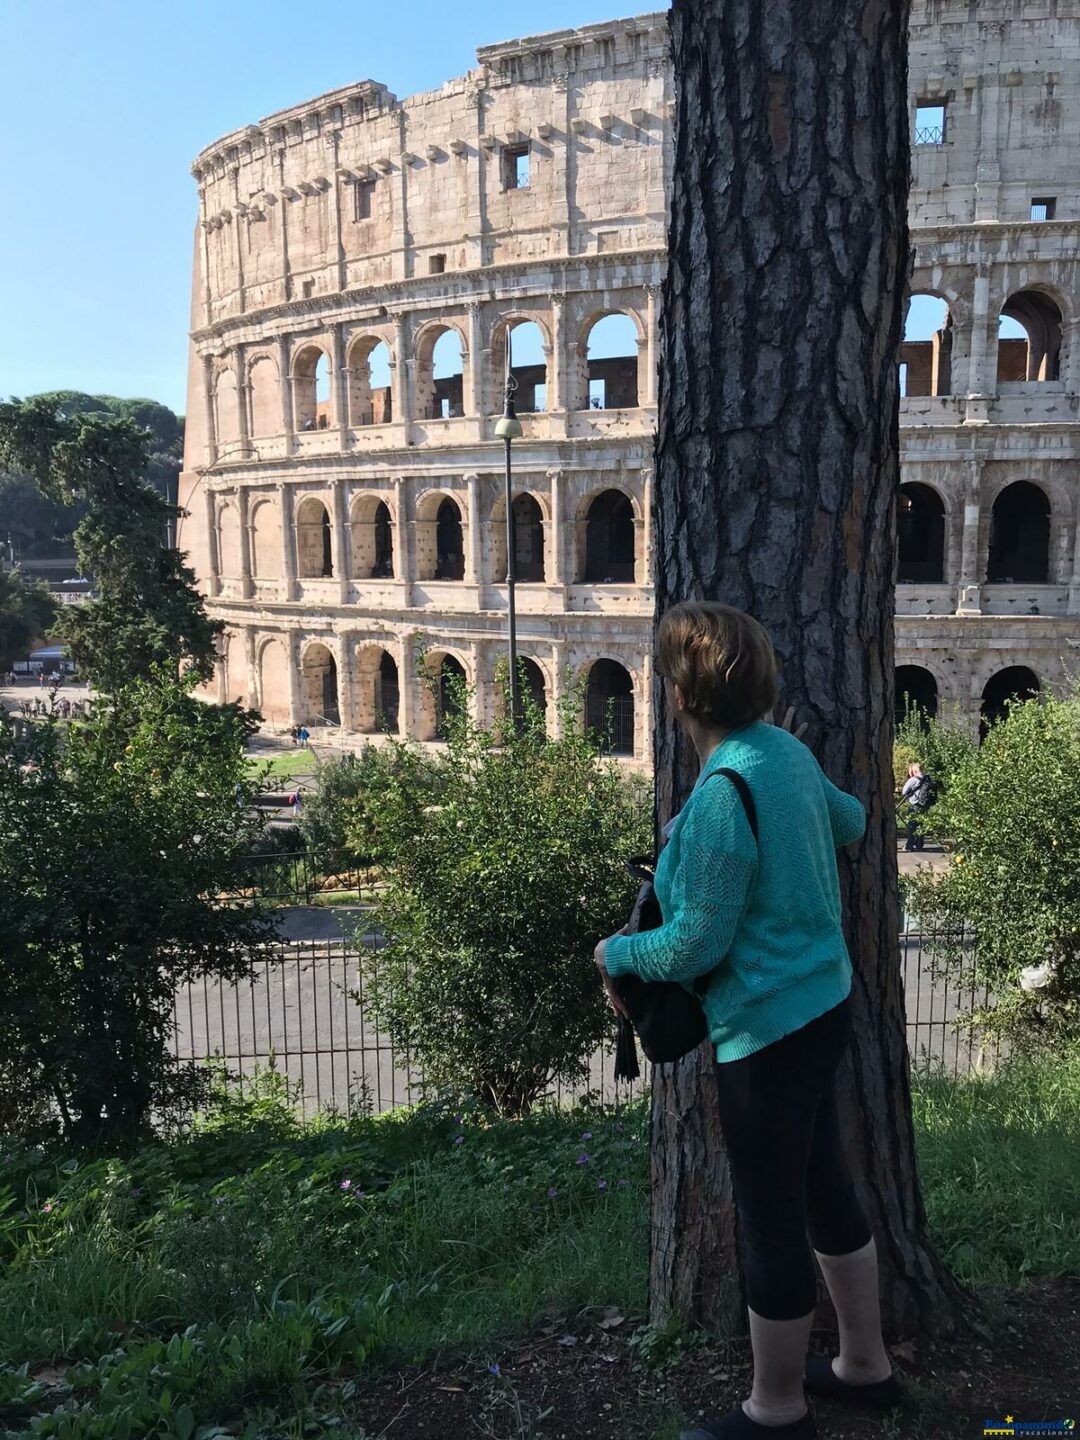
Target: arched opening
(274, 682)
(264, 398)
(311, 389)
(609, 707)
(926, 353)
(528, 540)
(609, 540)
(1029, 338)
(915, 689)
(450, 696)
(1015, 683)
(318, 677)
(1020, 536)
(440, 374)
(534, 686)
(372, 530)
(920, 528)
(528, 365)
(369, 382)
(449, 543)
(314, 550)
(266, 541)
(377, 694)
(612, 364)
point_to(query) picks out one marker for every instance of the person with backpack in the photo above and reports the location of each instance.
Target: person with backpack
(919, 794)
(749, 896)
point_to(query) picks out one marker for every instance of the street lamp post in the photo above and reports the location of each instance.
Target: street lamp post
(508, 429)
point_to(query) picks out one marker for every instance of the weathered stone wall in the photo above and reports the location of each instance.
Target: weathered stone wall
(356, 221)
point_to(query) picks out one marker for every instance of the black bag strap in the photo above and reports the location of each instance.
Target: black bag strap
(745, 795)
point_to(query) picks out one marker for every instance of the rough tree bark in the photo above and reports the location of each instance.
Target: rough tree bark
(777, 471)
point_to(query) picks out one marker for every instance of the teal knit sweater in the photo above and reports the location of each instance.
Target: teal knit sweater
(766, 916)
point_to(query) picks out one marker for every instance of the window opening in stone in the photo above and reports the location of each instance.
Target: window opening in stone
(1020, 536)
(436, 264)
(311, 389)
(612, 360)
(451, 697)
(449, 546)
(1016, 683)
(926, 352)
(1029, 338)
(320, 691)
(1044, 208)
(921, 536)
(383, 567)
(314, 556)
(440, 377)
(369, 384)
(516, 167)
(309, 289)
(609, 540)
(387, 694)
(528, 540)
(915, 689)
(609, 707)
(322, 393)
(528, 364)
(930, 122)
(362, 196)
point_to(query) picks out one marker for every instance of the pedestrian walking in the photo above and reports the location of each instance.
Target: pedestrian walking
(918, 794)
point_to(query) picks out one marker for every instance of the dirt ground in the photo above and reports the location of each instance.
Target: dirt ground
(579, 1377)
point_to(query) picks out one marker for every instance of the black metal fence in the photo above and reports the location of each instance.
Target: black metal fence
(297, 1009)
(299, 878)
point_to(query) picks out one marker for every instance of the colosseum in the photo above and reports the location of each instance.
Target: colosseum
(363, 264)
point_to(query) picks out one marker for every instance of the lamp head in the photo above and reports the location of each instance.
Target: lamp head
(509, 427)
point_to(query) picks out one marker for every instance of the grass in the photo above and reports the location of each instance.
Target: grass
(290, 1255)
(283, 765)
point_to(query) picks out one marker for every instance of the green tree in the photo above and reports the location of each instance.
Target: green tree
(147, 611)
(118, 839)
(26, 613)
(496, 895)
(1012, 810)
(345, 816)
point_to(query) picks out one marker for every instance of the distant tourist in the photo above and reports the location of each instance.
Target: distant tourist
(918, 793)
(303, 736)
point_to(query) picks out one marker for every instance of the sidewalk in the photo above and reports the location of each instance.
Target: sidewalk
(932, 857)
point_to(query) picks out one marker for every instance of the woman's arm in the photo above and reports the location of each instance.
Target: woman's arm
(709, 890)
(847, 814)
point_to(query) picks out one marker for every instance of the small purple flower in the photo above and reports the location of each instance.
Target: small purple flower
(136, 1191)
(582, 1159)
(346, 1185)
(494, 1369)
(552, 1192)
(458, 1139)
(587, 1135)
(602, 1185)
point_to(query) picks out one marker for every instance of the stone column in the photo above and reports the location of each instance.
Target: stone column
(253, 696)
(247, 586)
(647, 524)
(213, 552)
(400, 396)
(204, 225)
(474, 572)
(968, 601)
(211, 417)
(643, 720)
(649, 398)
(407, 696)
(333, 141)
(341, 408)
(288, 540)
(243, 407)
(474, 399)
(338, 539)
(558, 690)
(1074, 582)
(292, 650)
(346, 674)
(557, 367)
(1070, 355)
(286, 287)
(236, 222)
(285, 390)
(557, 555)
(980, 381)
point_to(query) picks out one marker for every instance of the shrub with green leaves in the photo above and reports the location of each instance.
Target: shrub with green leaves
(1012, 808)
(495, 900)
(347, 816)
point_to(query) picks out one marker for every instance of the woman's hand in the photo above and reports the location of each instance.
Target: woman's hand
(787, 723)
(609, 984)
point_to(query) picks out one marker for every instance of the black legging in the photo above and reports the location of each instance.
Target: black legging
(788, 1171)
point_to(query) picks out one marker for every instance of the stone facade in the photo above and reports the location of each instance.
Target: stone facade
(344, 498)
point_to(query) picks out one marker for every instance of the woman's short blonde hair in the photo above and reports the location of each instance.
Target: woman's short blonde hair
(721, 659)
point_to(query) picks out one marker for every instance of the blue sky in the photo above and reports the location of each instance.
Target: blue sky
(103, 106)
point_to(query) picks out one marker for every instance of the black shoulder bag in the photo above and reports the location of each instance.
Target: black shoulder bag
(669, 1019)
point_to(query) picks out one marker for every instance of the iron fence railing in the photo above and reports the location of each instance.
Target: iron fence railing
(297, 1008)
(298, 878)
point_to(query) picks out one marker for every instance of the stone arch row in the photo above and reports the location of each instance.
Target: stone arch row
(609, 368)
(1033, 323)
(1018, 548)
(608, 521)
(359, 683)
(917, 688)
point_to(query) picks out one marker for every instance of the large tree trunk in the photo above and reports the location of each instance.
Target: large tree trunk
(777, 470)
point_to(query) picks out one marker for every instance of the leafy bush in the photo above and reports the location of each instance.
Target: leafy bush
(495, 899)
(118, 837)
(344, 816)
(940, 746)
(1012, 808)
